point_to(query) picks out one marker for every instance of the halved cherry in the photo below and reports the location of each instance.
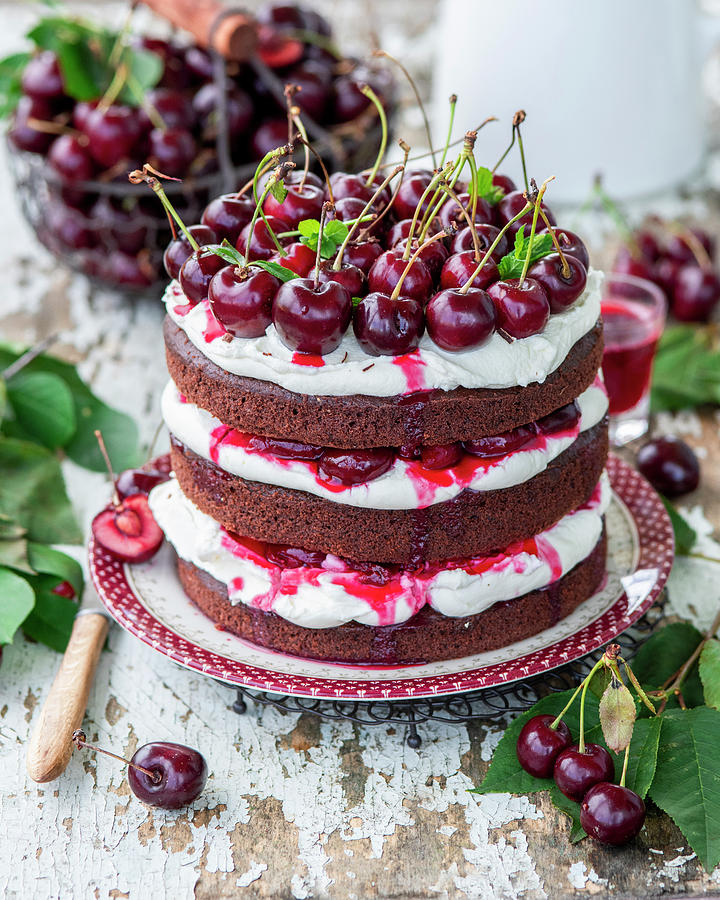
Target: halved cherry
(128, 531)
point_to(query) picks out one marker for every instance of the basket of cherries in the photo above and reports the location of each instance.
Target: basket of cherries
(86, 105)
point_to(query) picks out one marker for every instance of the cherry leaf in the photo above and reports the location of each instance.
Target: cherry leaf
(685, 534)
(617, 715)
(11, 69)
(278, 190)
(51, 619)
(710, 673)
(275, 269)
(16, 601)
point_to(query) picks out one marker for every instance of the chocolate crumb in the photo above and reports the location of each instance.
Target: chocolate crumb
(227, 337)
(505, 336)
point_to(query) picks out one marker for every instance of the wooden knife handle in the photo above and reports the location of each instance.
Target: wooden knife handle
(64, 708)
(232, 33)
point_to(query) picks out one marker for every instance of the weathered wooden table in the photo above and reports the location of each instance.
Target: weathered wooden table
(294, 807)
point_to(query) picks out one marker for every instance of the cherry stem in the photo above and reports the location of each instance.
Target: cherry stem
(636, 684)
(438, 176)
(510, 145)
(558, 719)
(438, 149)
(321, 163)
(106, 457)
(488, 253)
(273, 179)
(471, 222)
(56, 128)
(436, 237)
(518, 119)
(150, 110)
(114, 88)
(473, 181)
(625, 765)
(341, 250)
(388, 206)
(150, 176)
(453, 104)
(417, 98)
(702, 257)
(120, 44)
(683, 672)
(80, 740)
(317, 40)
(326, 208)
(581, 742)
(556, 242)
(373, 97)
(536, 213)
(28, 356)
(432, 211)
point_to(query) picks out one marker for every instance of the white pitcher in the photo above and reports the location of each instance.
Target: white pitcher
(610, 86)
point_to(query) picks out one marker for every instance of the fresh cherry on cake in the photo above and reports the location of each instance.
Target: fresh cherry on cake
(112, 133)
(388, 269)
(171, 150)
(564, 279)
(70, 158)
(179, 249)
(311, 318)
(227, 215)
(41, 78)
(459, 267)
(299, 258)
(451, 214)
(670, 465)
(562, 419)
(348, 209)
(346, 184)
(197, 272)
(576, 771)
(612, 813)
(572, 245)
(511, 205)
(139, 481)
(501, 444)
(388, 327)
(410, 193)
(355, 466)
(301, 202)
(696, 293)
(262, 245)
(242, 298)
(160, 773)
(539, 744)
(459, 319)
(433, 255)
(350, 277)
(362, 254)
(504, 182)
(522, 306)
(486, 236)
(441, 456)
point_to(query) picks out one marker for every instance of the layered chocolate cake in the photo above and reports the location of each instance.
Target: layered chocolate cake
(405, 471)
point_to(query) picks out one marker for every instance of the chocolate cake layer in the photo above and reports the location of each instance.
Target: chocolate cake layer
(474, 523)
(426, 637)
(356, 421)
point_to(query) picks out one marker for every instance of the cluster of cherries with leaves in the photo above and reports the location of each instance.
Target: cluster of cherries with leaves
(584, 771)
(462, 257)
(160, 101)
(680, 260)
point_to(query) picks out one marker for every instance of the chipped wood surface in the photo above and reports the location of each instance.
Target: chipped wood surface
(294, 807)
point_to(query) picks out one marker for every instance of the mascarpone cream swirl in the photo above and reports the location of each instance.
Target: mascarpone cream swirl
(334, 593)
(349, 370)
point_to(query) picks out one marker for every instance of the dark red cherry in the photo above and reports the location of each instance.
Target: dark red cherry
(350, 277)
(284, 449)
(665, 273)
(294, 557)
(348, 99)
(572, 245)
(522, 308)
(179, 774)
(70, 228)
(502, 444)
(409, 193)
(315, 88)
(575, 772)
(562, 419)
(241, 299)
(171, 150)
(120, 226)
(287, 15)
(276, 49)
(512, 204)
(262, 245)
(355, 466)
(345, 185)
(678, 248)
(112, 134)
(240, 112)
(175, 109)
(562, 290)
(441, 456)
(387, 270)
(299, 258)
(134, 271)
(362, 254)
(64, 589)
(627, 264)
(450, 213)
(310, 319)
(138, 481)
(128, 532)
(459, 267)
(398, 232)
(387, 327)
(179, 249)
(196, 273)
(175, 72)
(538, 745)
(227, 215)
(199, 63)
(22, 134)
(460, 321)
(267, 136)
(649, 245)
(71, 159)
(696, 294)
(433, 255)
(612, 814)
(299, 203)
(41, 78)
(505, 183)
(350, 208)
(486, 235)
(670, 465)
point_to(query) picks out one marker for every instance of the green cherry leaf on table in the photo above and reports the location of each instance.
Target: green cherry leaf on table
(16, 602)
(685, 534)
(709, 671)
(11, 69)
(44, 408)
(686, 371)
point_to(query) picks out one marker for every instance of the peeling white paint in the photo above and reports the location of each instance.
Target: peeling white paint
(253, 873)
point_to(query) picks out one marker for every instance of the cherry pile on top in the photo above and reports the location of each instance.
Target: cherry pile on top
(680, 260)
(431, 251)
(99, 132)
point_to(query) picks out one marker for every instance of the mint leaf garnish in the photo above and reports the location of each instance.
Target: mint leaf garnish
(511, 265)
(334, 233)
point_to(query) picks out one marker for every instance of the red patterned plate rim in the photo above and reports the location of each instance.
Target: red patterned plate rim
(653, 560)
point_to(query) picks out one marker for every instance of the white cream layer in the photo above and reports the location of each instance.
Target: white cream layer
(349, 370)
(334, 593)
(406, 485)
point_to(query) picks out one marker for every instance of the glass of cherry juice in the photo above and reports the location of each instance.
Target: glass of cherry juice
(633, 311)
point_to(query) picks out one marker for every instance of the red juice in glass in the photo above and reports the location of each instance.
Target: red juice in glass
(633, 313)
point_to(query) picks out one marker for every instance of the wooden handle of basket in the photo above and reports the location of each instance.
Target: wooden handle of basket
(64, 708)
(232, 34)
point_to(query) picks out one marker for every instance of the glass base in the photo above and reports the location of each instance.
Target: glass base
(630, 425)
